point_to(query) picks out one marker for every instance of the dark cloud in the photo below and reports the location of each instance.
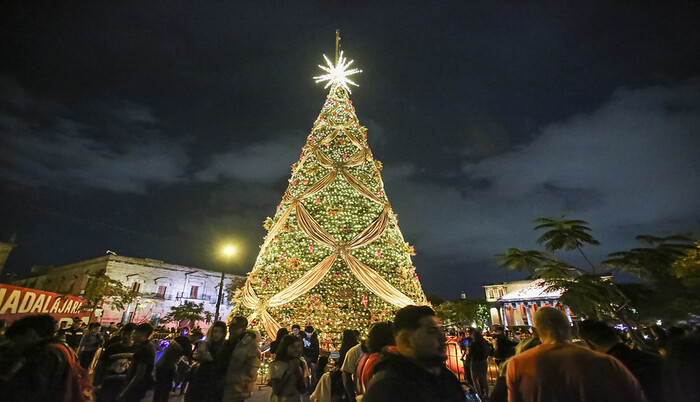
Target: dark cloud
(263, 162)
(41, 147)
(156, 129)
(628, 168)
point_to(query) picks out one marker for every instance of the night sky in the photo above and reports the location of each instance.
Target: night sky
(161, 129)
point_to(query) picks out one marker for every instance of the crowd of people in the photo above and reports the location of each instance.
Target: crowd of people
(403, 360)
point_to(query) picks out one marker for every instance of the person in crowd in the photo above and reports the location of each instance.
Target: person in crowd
(110, 331)
(415, 370)
(380, 336)
(296, 331)
(113, 365)
(92, 340)
(645, 366)
(180, 347)
(330, 385)
(139, 379)
(74, 334)
(62, 329)
(560, 370)
(349, 370)
(500, 389)
(206, 382)
(117, 337)
(287, 371)
(311, 353)
(503, 346)
(184, 366)
(280, 334)
(478, 362)
(681, 370)
(37, 366)
(244, 361)
(464, 344)
(350, 339)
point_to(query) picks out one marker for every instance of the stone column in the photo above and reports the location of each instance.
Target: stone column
(529, 314)
(505, 318)
(568, 313)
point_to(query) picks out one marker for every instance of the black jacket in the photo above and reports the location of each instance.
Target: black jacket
(311, 348)
(397, 378)
(645, 366)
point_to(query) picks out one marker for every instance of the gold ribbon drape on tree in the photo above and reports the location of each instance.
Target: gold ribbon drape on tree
(374, 282)
(291, 292)
(315, 231)
(357, 185)
(373, 231)
(366, 275)
(305, 283)
(287, 198)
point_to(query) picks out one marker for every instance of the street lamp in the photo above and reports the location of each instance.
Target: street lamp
(228, 251)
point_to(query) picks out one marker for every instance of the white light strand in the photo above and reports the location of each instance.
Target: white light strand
(338, 74)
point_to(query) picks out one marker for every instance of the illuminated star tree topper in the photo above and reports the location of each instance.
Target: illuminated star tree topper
(339, 72)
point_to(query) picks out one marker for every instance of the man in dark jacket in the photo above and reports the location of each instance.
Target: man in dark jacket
(310, 353)
(646, 367)
(38, 368)
(138, 378)
(503, 347)
(415, 369)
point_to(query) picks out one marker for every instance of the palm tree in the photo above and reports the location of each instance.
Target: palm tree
(566, 234)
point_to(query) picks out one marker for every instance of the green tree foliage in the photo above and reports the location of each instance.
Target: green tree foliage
(668, 268)
(101, 289)
(234, 286)
(189, 311)
(463, 313)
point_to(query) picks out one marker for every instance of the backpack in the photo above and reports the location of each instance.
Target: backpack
(78, 385)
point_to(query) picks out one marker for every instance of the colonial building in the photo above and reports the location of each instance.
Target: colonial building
(161, 285)
(514, 303)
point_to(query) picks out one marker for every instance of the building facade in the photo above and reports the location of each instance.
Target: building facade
(513, 304)
(161, 285)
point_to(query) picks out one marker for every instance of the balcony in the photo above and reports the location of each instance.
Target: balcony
(199, 298)
(157, 296)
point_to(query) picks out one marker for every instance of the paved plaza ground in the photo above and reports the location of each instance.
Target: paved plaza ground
(261, 394)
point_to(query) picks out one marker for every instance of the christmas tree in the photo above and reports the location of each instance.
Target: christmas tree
(334, 256)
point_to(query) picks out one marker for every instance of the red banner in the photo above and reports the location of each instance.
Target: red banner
(17, 302)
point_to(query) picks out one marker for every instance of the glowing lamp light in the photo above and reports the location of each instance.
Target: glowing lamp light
(229, 250)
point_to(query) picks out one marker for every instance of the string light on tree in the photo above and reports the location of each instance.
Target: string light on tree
(334, 256)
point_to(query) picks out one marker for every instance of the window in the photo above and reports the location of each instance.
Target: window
(136, 286)
(161, 290)
(193, 292)
(500, 292)
(490, 293)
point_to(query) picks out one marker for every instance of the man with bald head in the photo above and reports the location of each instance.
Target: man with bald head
(558, 370)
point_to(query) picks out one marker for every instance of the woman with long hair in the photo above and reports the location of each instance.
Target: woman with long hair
(280, 334)
(287, 371)
(207, 378)
(349, 340)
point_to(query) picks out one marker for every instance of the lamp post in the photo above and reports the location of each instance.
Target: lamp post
(228, 252)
